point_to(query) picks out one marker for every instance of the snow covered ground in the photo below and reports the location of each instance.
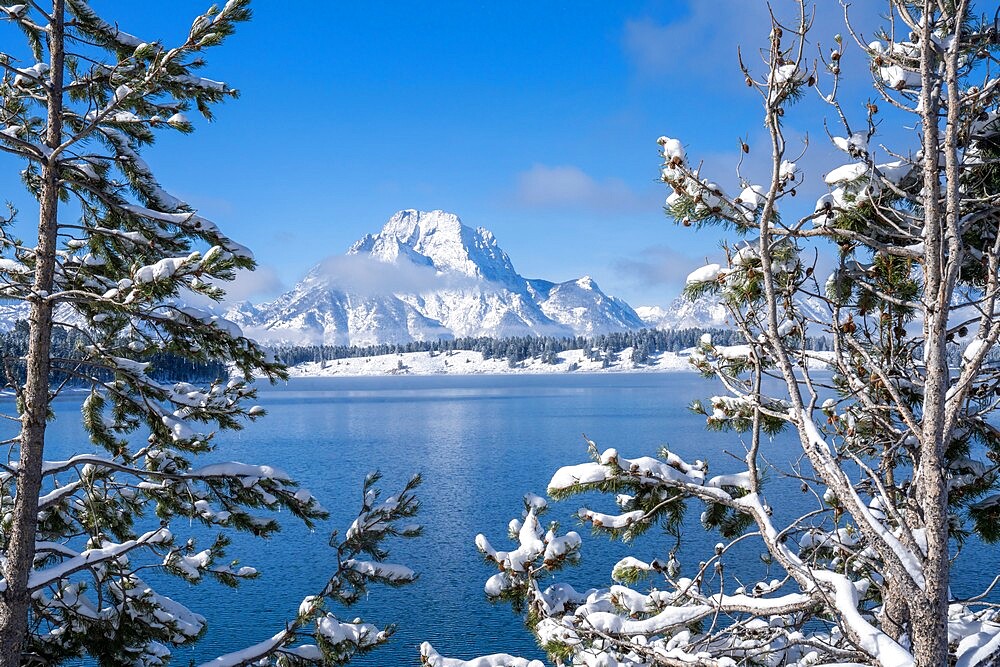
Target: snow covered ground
(464, 362)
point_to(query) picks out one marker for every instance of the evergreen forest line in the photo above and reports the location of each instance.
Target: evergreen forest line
(69, 345)
(515, 349)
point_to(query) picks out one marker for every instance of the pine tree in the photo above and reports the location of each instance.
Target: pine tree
(116, 259)
(898, 452)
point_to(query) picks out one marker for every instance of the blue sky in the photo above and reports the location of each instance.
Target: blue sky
(537, 121)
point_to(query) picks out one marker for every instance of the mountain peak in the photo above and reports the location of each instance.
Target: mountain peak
(426, 275)
(439, 239)
(410, 226)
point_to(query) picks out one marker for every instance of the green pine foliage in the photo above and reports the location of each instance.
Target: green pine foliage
(896, 448)
(80, 101)
(69, 351)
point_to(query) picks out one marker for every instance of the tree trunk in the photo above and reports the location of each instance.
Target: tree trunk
(930, 614)
(894, 619)
(15, 602)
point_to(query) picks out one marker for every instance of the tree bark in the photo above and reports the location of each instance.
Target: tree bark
(15, 602)
(930, 614)
(894, 618)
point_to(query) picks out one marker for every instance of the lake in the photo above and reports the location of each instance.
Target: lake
(480, 442)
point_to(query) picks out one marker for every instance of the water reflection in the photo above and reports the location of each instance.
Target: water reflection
(480, 443)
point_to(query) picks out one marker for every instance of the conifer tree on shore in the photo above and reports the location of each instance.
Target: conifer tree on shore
(897, 450)
(116, 261)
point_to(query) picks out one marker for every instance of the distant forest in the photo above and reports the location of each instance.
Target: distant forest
(68, 350)
(603, 348)
(644, 343)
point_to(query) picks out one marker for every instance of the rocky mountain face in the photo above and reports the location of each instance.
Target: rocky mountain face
(426, 275)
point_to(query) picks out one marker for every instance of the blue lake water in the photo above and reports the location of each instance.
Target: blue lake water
(480, 442)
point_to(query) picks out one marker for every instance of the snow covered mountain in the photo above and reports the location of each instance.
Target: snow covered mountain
(581, 305)
(707, 312)
(427, 276)
(12, 312)
(424, 276)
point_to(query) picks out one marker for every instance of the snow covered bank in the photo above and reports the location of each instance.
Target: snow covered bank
(466, 362)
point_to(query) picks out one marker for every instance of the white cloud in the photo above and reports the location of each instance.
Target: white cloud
(569, 187)
(704, 41)
(657, 265)
(253, 285)
(367, 276)
(699, 46)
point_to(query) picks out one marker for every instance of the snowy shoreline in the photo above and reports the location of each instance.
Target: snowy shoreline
(468, 362)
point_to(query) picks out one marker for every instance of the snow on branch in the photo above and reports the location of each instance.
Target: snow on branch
(431, 658)
(329, 640)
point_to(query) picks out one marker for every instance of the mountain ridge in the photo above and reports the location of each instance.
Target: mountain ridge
(426, 275)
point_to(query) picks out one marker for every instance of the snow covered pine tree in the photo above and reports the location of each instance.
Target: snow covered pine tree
(897, 453)
(78, 105)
